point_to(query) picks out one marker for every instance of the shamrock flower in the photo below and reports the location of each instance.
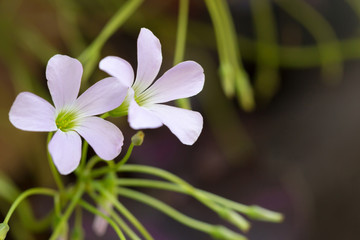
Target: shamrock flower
(144, 99)
(71, 116)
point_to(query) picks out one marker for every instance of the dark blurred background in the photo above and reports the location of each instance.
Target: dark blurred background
(296, 152)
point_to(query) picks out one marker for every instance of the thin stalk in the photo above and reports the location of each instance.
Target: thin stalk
(251, 211)
(93, 210)
(181, 42)
(92, 52)
(176, 215)
(223, 212)
(27, 193)
(121, 208)
(104, 170)
(64, 218)
(53, 169)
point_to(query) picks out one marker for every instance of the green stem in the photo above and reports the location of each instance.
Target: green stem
(123, 225)
(92, 52)
(64, 218)
(104, 170)
(171, 212)
(83, 158)
(180, 43)
(253, 212)
(27, 193)
(121, 208)
(223, 212)
(321, 30)
(53, 169)
(93, 210)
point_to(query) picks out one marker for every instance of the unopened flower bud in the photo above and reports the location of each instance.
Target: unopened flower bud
(4, 228)
(138, 138)
(220, 232)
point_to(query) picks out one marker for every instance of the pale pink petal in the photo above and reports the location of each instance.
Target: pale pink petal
(141, 118)
(119, 68)
(32, 113)
(183, 80)
(185, 124)
(104, 137)
(99, 225)
(65, 150)
(149, 59)
(64, 76)
(101, 97)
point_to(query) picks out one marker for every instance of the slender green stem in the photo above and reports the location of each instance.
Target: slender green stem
(126, 157)
(223, 212)
(210, 229)
(92, 162)
(27, 193)
(252, 211)
(93, 210)
(104, 170)
(324, 35)
(121, 208)
(123, 225)
(64, 218)
(180, 43)
(83, 157)
(53, 169)
(91, 54)
(267, 77)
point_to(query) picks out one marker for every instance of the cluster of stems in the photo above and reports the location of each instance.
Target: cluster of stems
(104, 185)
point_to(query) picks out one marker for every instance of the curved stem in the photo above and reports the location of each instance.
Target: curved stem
(92, 52)
(253, 212)
(64, 218)
(53, 169)
(93, 210)
(121, 208)
(223, 212)
(176, 215)
(27, 193)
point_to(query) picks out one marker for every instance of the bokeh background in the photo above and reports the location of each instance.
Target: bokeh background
(296, 151)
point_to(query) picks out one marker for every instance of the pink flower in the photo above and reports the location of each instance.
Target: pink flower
(143, 103)
(72, 117)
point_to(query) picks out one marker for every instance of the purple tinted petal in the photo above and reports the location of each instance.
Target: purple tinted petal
(65, 150)
(104, 137)
(32, 113)
(64, 76)
(183, 80)
(119, 68)
(141, 117)
(101, 97)
(185, 124)
(149, 60)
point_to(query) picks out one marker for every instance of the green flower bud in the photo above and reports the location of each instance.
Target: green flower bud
(220, 232)
(259, 213)
(138, 138)
(4, 228)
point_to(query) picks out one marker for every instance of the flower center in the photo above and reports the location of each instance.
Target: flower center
(66, 120)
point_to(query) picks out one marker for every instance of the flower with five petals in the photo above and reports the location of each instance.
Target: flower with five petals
(145, 98)
(72, 116)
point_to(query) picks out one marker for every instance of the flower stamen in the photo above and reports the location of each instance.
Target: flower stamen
(66, 120)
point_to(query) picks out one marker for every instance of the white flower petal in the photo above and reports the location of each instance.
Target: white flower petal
(119, 68)
(104, 137)
(183, 80)
(32, 113)
(65, 150)
(141, 117)
(64, 76)
(101, 97)
(149, 60)
(185, 124)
